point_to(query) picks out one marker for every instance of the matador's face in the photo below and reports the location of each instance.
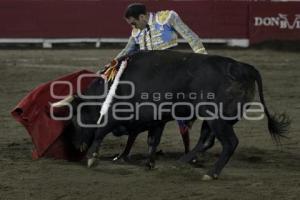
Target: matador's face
(139, 23)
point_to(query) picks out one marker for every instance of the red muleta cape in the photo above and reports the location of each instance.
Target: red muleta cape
(33, 112)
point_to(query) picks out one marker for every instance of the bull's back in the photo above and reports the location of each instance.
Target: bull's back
(171, 71)
(161, 70)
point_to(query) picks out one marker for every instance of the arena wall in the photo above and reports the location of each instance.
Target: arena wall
(234, 22)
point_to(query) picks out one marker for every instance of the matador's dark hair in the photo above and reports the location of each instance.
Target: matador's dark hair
(135, 10)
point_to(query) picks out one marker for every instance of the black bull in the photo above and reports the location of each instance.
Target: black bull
(178, 77)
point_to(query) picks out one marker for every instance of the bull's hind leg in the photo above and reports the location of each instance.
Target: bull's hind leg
(154, 137)
(206, 141)
(229, 141)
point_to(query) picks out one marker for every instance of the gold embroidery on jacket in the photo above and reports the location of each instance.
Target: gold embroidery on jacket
(163, 16)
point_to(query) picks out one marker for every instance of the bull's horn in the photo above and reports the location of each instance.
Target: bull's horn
(63, 102)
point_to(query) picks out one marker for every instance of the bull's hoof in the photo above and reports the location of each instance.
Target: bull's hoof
(150, 165)
(121, 159)
(194, 160)
(91, 162)
(209, 178)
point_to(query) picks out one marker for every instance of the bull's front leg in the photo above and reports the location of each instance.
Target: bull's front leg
(154, 137)
(129, 144)
(92, 152)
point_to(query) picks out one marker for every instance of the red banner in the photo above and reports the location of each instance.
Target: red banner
(274, 21)
(103, 18)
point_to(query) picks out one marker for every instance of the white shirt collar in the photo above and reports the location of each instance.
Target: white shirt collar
(150, 21)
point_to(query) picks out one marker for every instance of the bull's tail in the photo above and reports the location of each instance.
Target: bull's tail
(278, 124)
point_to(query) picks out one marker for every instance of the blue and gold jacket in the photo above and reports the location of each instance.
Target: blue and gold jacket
(162, 34)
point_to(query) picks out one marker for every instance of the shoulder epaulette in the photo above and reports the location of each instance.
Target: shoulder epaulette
(162, 17)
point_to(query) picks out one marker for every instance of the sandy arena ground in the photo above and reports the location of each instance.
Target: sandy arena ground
(259, 169)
